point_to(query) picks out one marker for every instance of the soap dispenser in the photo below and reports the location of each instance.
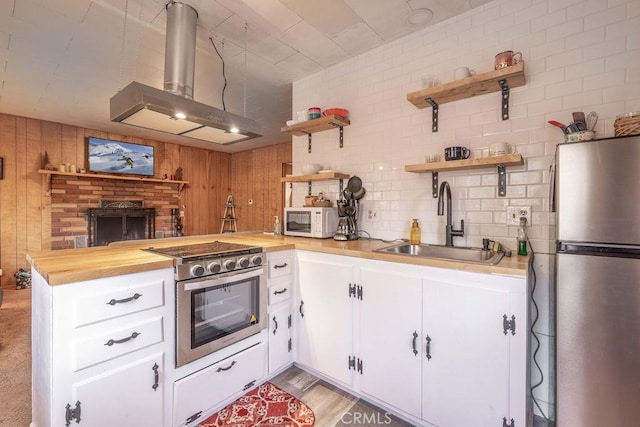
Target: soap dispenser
(414, 233)
(276, 227)
(522, 236)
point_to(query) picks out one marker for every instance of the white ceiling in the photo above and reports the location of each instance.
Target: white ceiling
(62, 60)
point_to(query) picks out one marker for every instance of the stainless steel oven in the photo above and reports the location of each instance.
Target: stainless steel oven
(221, 296)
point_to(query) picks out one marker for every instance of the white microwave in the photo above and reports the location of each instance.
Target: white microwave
(320, 223)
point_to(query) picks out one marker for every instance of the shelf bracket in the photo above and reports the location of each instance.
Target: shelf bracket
(502, 180)
(434, 184)
(340, 186)
(505, 98)
(341, 137)
(309, 191)
(434, 114)
(309, 146)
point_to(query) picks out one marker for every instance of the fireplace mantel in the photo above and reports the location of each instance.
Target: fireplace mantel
(47, 175)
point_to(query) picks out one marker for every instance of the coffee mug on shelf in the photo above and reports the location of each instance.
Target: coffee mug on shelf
(463, 73)
(500, 149)
(507, 59)
(456, 153)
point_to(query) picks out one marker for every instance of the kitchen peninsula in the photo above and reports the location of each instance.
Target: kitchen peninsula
(431, 313)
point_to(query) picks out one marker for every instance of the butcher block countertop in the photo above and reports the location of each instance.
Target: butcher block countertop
(74, 265)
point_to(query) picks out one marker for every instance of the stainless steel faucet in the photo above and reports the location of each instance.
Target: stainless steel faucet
(450, 231)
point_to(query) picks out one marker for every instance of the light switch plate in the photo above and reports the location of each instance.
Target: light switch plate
(514, 213)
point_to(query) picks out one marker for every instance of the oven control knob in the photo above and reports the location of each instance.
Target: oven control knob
(230, 264)
(197, 270)
(244, 262)
(256, 260)
(214, 267)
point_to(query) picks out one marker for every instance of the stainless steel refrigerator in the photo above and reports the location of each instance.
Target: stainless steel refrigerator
(598, 283)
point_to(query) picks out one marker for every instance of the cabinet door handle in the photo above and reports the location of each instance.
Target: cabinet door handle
(413, 343)
(120, 301)
(156, 377)
(227, 368)
(280, 292)
(120, 341)
(301, 304)
(280, 265)
(276, 322)
(428, 348)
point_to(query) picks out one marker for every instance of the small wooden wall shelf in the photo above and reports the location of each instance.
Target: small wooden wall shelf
(107, 176)
(500, 161)
(318, 125)
(317, 177)
(479, 84)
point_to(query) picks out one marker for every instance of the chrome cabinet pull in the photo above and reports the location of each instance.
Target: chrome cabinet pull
(280, 292)
(413, 343)
(280, 265)
(428, 348)
(227, 368)
(276, 322)
(120, 341)
(301, 304)
(120, 301)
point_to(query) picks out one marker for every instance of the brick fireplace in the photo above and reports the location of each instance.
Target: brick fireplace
(73, 195)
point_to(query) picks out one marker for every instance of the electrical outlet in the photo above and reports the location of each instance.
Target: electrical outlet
(372, 214)
(514, 213)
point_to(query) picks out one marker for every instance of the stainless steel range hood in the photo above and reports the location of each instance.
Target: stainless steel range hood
(173, 109)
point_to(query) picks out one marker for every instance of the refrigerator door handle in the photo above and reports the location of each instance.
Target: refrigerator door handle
(615, 251)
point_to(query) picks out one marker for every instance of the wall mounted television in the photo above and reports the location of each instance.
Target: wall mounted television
(118, 157)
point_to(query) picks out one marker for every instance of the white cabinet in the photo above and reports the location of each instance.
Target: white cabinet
(466, 353)
(196, 395)
(433, 344)
(390, 319)
(280, 325)
(324, 314)
(99, 350)
(280, 342)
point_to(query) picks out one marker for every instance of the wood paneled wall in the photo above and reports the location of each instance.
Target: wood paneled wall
(257, 190)
(25, 210)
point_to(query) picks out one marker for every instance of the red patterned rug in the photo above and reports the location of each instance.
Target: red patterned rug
(264, 406)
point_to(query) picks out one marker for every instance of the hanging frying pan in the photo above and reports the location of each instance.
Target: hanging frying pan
(354, 184)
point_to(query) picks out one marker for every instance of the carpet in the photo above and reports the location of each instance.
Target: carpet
(264, 406)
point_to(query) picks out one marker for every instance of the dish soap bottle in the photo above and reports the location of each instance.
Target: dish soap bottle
(276, 227)
(414, 233)
(522, 237)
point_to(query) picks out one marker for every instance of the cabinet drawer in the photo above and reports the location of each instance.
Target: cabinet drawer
(280, 264)
(115, 343)
(279, 292)
(209, 387)
(117, 302)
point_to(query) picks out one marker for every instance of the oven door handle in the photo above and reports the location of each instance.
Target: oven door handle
(235, 277)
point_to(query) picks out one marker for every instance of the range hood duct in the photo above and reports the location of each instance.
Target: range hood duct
(162, 110)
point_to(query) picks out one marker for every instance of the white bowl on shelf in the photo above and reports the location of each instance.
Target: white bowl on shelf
(311, 168)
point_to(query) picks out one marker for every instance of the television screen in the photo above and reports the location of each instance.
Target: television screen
(108, 156)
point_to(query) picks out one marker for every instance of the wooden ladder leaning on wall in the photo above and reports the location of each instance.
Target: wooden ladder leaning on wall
(229, 220)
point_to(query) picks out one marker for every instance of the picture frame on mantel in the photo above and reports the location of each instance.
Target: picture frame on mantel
(119, 157)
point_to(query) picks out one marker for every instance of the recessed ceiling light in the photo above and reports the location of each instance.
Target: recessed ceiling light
(234, 130)
(179, 115)
(419, 17)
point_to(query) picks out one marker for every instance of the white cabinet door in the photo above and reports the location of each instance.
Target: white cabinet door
(466, 365)
(390, 324)
(280, 350)
(130, 396)
(324, 314)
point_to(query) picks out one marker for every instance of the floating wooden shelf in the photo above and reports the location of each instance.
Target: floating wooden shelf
(107, 176)
(500, 161)
(469, 87)
(315, 177)
(503, 80)
(318, 125)
(506, 160)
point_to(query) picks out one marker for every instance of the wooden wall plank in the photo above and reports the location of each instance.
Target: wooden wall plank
(8, 200)
(35, 192)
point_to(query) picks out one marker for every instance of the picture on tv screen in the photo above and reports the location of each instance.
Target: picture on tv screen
(108, 156)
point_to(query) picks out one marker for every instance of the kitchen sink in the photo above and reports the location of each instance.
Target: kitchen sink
(475, 255)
